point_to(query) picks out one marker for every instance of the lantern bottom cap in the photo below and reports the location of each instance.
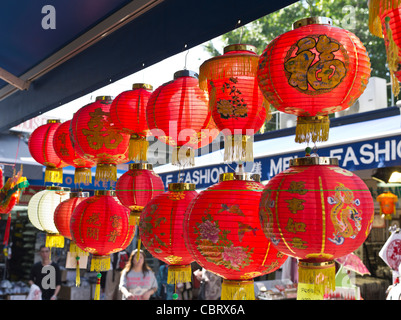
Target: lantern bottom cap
(237, 290)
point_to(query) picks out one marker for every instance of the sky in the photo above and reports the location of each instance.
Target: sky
(154, 75)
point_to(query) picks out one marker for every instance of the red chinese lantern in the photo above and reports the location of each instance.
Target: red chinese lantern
(222, 231)
(62, 220)
(316, 212)
(385, 22)
(177, 114)
(128, 113)
(312, 71)
(94, 137)
(100, 225)
(42, 150)
(235, 100)
(161, 230)
(136, 187)
(65, 150)
(388, 202)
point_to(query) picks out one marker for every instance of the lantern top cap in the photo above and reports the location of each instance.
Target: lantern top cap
(142, 86)
(309, 161)
(53, 121)
(185, 73)
(79, 194)
(57, 188)
(141, 166)
(240, 47)
(229, 176)
(104, 98)
(110, 193)
(312, 20)
(180, 186)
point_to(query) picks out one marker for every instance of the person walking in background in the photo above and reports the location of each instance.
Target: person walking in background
(210, 287)
(164, 291)
(46, 275)
(137, 282)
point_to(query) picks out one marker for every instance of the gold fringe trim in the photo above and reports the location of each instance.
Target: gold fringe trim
(376, 9)
(238, 148)
(54, 240)
(77, 250)
(54, 175)
(315, 129)
(134, 217)
(237, 290)
(138, 148)
(100, 263)
(183, 156)
(226, 66)
(83, 175)
(106, 172)
(179, 274)
(321, 275)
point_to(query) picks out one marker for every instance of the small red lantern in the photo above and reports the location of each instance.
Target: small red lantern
(161, 230)
(65, 150)
(100, 226)
(385, 22)
(42, 150)
(177, 114)
(388, 202)
(128, 113)
(136, 187)
(316, 211)
(222, 231)
(235, 100)
(94, 137)
(312, 71)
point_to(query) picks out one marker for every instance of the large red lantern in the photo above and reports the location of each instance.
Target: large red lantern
(235, 100)
(42, 150)
(385, 22)
(128, 113)
(222, 231)
(312, 71)
(387, 202)
(65, 150)
(161, 230)
(94, 137)
(316, 211)
(100, 225)
(136, 187)
(177, 114)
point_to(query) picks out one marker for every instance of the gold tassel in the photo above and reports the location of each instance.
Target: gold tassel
(54, 240)
(75, 249)
(97, 288)
(138, 148)
(54, 175)
(100, 263)
(183, 156)
(83, 175)
(321, 275)
(237, 290)
(179, 274)
(134, 217)
(238, 148)
(77, 273)
(315, 129)
(376, 9)
(106, 172)
(138, 253)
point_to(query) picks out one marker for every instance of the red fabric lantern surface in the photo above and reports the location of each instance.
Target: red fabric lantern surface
(128, 113)
(316, 211)
(65, 150)
(100, 225)
(94, 137)
(385, 22)
(41, 147)
(161, 230)
(235, 100)
(136, 187)
(312, 71)
(388, 202)
(177, 113)
(222, 231)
